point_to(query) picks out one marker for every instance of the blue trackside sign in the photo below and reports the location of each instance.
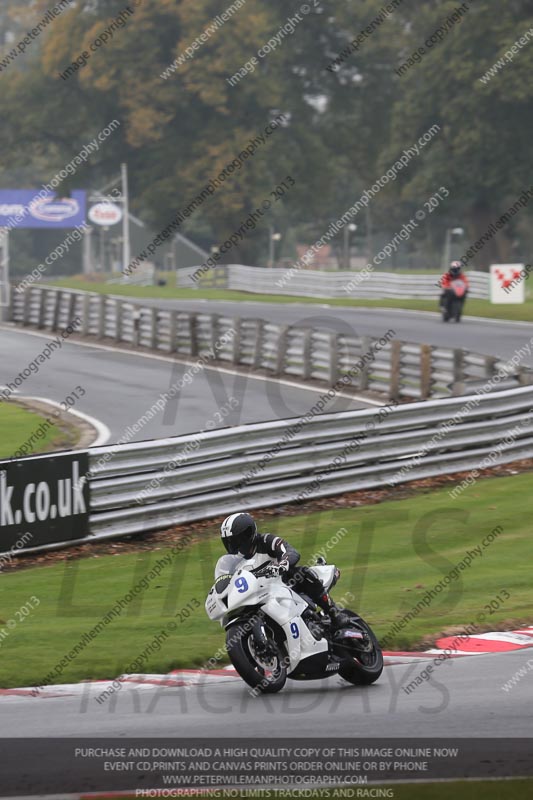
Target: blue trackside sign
(34, 208)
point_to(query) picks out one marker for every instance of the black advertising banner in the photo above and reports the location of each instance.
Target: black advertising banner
(43, 500)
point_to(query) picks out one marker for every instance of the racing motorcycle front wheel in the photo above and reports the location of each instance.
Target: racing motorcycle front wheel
(256, 657)
(457, 309)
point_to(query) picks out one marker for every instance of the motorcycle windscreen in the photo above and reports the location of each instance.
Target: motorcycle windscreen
(227, 565)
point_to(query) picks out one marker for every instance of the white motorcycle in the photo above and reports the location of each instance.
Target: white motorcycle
(273, 633)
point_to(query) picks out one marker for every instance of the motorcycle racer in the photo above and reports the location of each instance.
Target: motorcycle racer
(240, 537)
(453, 273)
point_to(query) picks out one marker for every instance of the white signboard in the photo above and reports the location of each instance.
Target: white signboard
(507, 283)
(105, 214)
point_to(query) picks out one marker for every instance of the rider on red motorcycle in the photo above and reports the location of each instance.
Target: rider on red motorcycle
(453, 273)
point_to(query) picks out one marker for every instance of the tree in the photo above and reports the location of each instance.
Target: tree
(191, 90)
(484, 126)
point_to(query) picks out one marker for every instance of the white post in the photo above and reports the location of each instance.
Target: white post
(270, 246)
(4, 275)
(126, 246)
(348, 229)
(88, 266)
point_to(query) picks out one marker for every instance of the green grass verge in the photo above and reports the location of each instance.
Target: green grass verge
(392, 554)
(465, 790)
(17, 426)
(474, 308)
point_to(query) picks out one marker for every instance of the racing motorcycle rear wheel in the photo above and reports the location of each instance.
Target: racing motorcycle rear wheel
(259, 663)
(363, 660)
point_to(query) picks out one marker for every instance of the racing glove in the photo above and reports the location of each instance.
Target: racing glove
(284, 566)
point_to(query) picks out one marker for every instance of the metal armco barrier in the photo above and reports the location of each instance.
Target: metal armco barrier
(255, 466)
(152, 485)
(386, 366)
(314, 283)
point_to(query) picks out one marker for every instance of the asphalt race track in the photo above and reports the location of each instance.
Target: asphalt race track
(465, 702)
(121, 386)
(465, 699)
(495, 338)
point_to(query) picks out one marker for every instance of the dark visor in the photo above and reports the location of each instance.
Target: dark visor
(238, 544)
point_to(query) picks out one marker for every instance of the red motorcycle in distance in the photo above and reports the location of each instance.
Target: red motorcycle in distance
(454, 300)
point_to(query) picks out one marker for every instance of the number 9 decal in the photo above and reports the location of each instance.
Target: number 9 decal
(294, 630)
(242, 585)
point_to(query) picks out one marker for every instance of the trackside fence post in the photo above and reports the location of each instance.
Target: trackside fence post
(395, 369)
(193, 334)
(458, 371)
(258, 344)
(364, 372)
(119, 318)
(425, 371)
(85, 314)
(42, 308)
(333, 347)
(173, 331)
(56, 311)
(306, 353)
(236, 324)
(101, 316)
(71, 307)
(281, 355)
(153, 328)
